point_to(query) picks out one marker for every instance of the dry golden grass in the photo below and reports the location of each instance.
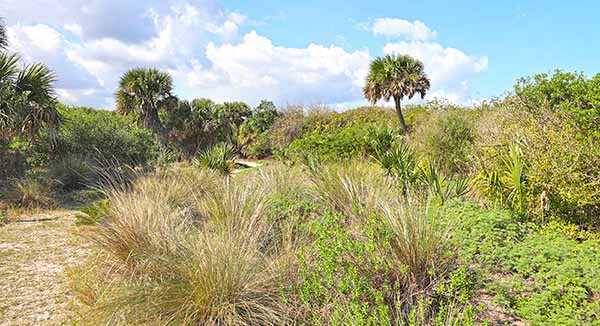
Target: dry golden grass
(177, 253)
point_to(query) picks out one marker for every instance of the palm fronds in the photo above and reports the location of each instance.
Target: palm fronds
(220, 158)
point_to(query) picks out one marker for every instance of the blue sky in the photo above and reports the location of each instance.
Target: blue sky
(300, 52)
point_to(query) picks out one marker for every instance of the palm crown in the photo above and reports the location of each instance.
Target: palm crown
(396, 77)
(145, 91)
(27, 96)
(3, 35)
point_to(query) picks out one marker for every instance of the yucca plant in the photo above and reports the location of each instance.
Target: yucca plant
(381, 139)
(440, 187)
(220, 158)
(400, 162)
(514, 178)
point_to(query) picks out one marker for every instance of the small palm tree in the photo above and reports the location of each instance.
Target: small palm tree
(144, 92)
(396, 77)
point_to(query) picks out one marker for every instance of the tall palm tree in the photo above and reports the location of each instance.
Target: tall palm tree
(396, 77)
(144, 92)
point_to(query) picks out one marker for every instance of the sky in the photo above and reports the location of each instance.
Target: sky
(299, 52)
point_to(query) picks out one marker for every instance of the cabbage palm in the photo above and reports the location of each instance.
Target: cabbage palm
(27, 98)
(396, 77)
(35, 86)
(144, 92)
(3, 35)
(8, 73)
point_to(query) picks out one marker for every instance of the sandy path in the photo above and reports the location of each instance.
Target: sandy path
(34, 257)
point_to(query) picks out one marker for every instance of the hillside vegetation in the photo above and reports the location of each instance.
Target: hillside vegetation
(430, 214)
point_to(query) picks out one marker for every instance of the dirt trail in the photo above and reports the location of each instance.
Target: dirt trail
(34, 256)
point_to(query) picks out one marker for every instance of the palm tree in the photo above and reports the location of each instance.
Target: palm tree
(396, 77)
(3, 35)
(8, 73)
(27, 98)
(35, 86)
(144, 92)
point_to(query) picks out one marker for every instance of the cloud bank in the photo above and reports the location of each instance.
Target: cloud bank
(201, 44)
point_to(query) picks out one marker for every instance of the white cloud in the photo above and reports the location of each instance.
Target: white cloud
(205, 49)
(255, 69)
(41, 37)
(400, 28)
(75, 29)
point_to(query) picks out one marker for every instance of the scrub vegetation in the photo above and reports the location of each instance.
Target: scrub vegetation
(204, 213)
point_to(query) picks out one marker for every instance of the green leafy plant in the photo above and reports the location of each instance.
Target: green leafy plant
(440, 187)
(399, 161)
(514, 178)
(220, 158)
(94, 213)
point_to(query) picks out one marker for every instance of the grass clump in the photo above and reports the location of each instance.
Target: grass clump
(29, 193)
(187, 254)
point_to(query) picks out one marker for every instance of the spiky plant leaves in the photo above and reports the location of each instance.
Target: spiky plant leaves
(220, 158)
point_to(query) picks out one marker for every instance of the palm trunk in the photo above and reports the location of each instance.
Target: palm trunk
(399, 113)
(152, 122)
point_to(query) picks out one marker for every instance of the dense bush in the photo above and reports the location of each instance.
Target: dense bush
(253, 132)
(100, 135)
(549, 117)
(335, 136)
(195, 126)
(447, 137)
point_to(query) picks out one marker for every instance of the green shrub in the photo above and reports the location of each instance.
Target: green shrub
(260, 147)
(447, 137)
(342, 143)
(561, 276)
(253, 132)
(561, 160)
(354, 277)
(100, 135)
(94, 213)
(337, 278)
(546, 275)
(220, 158)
